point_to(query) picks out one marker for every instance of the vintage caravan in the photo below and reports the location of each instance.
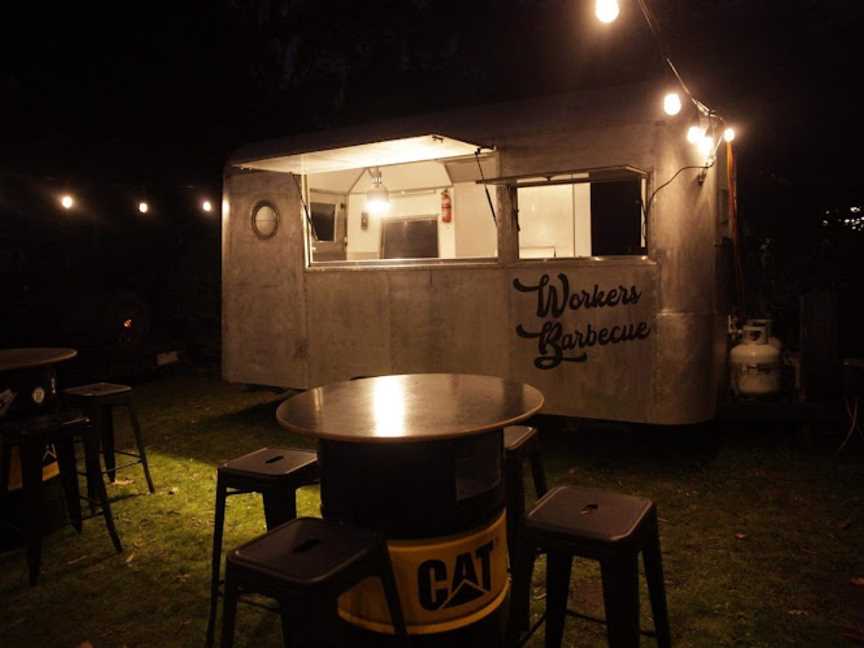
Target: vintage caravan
(573, 242)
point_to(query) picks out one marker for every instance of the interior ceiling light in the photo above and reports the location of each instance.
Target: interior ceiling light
(606, 10)
(672, 104)
(377, 198)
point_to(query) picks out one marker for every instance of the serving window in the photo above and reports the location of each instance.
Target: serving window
(581, 213)
(432, 209)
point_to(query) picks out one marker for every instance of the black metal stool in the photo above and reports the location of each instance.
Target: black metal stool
(98, 400)
(32, 435)
(521, 443)
(275, 473)
(612, 529)
(308, 562)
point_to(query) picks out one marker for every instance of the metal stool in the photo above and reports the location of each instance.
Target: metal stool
(32, 435)
(308, 562)
(98, 401)
(521, 442)
(275, 473)
(612, 529)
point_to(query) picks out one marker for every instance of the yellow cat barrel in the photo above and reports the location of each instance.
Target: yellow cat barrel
(419, 458)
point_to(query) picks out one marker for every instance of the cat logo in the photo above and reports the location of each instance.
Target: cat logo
(471, 578)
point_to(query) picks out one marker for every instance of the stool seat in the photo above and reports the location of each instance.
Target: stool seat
(308, 563)
(96, 390)
(516, 436)
(597, 515)
(307, 553)
(272, 465)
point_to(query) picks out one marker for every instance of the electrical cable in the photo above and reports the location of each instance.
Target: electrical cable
(305, 207)
(485, 187)
(703, 167)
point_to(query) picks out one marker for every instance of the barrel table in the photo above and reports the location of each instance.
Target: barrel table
(418, 458)
(29, 379)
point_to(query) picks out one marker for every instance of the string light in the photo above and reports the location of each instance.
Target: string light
(729, 134)
(606, 10)
(143, 207)
(67, 201)
(207, 206)
(672, 104)
(695, 134)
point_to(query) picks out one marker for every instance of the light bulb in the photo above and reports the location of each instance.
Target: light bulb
(706, 145)
(672, 104)
(695, 134)
(606, 10)
(143, 207)
(67, 201)
(729, 134)
(207, 206)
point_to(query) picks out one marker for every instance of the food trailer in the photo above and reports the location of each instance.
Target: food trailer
(574, 243)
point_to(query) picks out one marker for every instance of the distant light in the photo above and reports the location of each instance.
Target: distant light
(67, 201)
(695, 134)
(606, 10)
(672, 104)
(729, 134)
(127, 323)
(207, 206)
(143, 207)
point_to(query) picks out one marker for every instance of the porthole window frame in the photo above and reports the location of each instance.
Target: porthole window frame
(255, 208)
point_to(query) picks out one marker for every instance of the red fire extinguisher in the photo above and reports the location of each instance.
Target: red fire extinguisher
(446, 207)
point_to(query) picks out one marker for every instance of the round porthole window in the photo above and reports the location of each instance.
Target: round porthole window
(265, 220)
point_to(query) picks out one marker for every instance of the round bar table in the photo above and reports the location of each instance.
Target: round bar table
(418, 458)
(28, 376)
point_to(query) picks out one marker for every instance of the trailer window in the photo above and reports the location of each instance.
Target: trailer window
(581, 219)
(432, 210)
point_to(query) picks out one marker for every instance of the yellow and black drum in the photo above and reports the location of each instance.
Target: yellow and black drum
(440, 504)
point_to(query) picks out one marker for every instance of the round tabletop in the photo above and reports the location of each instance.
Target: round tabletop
(11, 359)
(409, 408)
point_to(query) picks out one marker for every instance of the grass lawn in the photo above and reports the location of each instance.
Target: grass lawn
(761, 536)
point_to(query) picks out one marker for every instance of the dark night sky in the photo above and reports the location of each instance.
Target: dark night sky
(168, 93)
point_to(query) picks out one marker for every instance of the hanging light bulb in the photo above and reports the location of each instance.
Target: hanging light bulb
(606, 10)
(706, 146)
(672, 104)
(729, 134)
(143, 207)
(695, 134)
(377, 198)
(67, 201)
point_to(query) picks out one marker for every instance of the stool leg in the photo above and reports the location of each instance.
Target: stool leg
(621, 600)
(94, 471)
(515, 490)
(108, 442)
(68, 473)
(537, 471)
(558, 566)
(651, 556)
(521, 571)
(139, 441)
(280, 506)
(229, 610)
(32, 447)
(96, 415)
(216, 562)
(392, 595)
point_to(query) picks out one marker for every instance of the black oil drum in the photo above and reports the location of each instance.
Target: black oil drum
(440, 504)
